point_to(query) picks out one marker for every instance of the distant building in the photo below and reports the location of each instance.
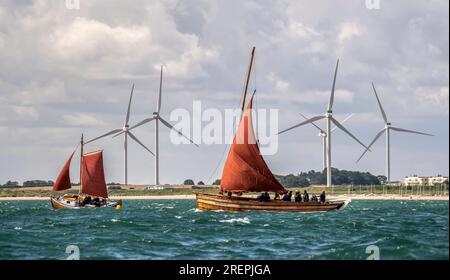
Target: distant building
(415, 181)
(437, 180)
(424, 181)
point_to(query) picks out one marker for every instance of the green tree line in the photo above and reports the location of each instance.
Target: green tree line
(29, 183)
(340, 177)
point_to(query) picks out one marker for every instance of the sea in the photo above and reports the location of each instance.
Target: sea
(175, 229)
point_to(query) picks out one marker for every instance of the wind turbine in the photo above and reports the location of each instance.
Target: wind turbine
(329, 119)
(157, 118)
(126, 130)
(323, 135)
(387, 128)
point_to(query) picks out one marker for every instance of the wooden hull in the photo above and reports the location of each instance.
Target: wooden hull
(61, 203)
(238, 204)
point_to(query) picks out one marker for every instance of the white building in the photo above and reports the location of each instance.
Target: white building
(424, 181)
(437, 180)
(415, 181)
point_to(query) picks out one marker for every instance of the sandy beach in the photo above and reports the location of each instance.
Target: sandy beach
(191, 196)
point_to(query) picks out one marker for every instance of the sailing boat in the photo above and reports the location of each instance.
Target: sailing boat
(93, 191)
(246, 171)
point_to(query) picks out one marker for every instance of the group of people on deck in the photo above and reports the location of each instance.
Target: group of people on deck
(88, 200)
(264, 197)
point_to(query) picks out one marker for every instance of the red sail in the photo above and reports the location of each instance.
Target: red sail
(93, 176)
(63, 180)
(245, 169)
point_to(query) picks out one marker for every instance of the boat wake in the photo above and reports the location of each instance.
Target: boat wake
(346, 202)
(237, 220)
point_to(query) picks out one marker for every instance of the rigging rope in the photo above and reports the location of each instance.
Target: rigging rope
(235, 126)
(256, 104)
(218, 165)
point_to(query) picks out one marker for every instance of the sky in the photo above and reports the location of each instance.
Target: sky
(68, 69)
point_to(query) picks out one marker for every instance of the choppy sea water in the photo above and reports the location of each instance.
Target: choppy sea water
(174, 229)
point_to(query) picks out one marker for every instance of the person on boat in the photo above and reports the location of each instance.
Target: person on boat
(266, 197)
(277, 196)
(314, 197)
(298, 197)
(96, 202)
(287, 196)
(260, 197)
(322, 197)
(305, 196)
(87, 200)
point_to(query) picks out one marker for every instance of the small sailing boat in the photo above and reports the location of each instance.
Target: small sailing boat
(93, 190)
(246, 171)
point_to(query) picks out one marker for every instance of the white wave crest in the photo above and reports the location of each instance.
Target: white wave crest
(244, 220)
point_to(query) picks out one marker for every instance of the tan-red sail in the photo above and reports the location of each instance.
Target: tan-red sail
(245, 169)
(63, 180)
(93, 176)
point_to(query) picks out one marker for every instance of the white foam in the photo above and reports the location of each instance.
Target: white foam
(237, 220)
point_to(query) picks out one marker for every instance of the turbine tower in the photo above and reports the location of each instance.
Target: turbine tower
(329, 119)
(387, 129)
(157, 118)
(323, 135)
(125, 129)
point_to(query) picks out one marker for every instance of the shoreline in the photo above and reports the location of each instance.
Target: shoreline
(192, 197)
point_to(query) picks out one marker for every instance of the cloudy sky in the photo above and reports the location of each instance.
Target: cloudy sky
(67, 71)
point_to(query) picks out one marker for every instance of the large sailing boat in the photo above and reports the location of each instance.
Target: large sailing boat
(246, 171)
(93, 191)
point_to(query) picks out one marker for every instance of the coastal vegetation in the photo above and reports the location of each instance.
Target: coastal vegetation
(188, 182)
(340, 177)
(37, 183)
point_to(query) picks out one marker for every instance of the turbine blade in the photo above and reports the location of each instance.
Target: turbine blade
(120, 133)
(142, 122)
(312, 123)
(330, 104)
(342, 122)
(139, 142)
(129, 106)
(379, 104)
(158, 104)
(179, 132)
(134, 126)
(311, 120)
(104, 135)
(371, 143)
(410, 131)
(348, 132)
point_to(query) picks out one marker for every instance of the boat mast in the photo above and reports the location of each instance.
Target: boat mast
(81, 160)
(249, 72)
